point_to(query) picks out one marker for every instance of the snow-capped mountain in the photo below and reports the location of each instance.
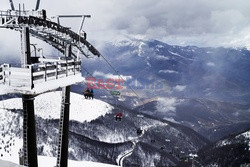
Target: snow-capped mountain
(96, 136)
(158, 69)
(231, 151)
(190, 95)
(212, 119)
(205, 88)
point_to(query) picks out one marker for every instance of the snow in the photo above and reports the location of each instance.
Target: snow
(223, 143)
(161, 57)
(8, 164)
(12, 156)
(247, 137)
(211, 64)
(168, 71)
(170, 119)
(51, 162)
(159, 46)
(122, 156)
(140, 49)
(193, 155)
(47, 106)
(3, 89)
(43, 86)
(176, 54)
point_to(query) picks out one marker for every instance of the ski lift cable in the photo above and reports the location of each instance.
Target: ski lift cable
(86, 84)
(115, 98)
(88, 73)
(122, 78)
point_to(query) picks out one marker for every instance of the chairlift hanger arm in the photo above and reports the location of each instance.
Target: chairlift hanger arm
(70, 16)
(76, 16)
(37, 4)
(12, 5)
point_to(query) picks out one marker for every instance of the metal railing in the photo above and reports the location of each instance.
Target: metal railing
(1, 75)
(38, 73)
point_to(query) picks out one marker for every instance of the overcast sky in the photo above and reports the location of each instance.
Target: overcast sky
(180, 22)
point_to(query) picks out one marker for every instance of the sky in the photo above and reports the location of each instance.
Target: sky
(179, 22)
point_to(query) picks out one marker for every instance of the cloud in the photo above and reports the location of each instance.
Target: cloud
(136, 84)
(167, 105)
(111, 76)
(210, 64)
(180, 88)
(181, 22)
(161, 57)
(168, 71)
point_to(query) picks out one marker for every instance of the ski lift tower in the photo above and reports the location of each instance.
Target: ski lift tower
(38, 75)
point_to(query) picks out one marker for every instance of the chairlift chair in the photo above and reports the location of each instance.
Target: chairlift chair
(118, 116)
(115, 93)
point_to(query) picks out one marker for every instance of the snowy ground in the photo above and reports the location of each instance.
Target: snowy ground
(47, 106)
(51, 162)
(8, 164)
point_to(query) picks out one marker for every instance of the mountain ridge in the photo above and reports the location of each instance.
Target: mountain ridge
(102, 139)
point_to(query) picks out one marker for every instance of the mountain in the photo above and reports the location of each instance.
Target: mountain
(154, 68)
(212, 119)
(204, 88)
(183, 98)
(96, 136)
(230, 151)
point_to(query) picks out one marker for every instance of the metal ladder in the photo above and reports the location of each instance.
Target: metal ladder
(25, 137)
(61, 129)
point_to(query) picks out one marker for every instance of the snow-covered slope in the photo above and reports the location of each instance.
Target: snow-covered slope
(213, 119)
(231, 151)
(94, 134)
(241, 138)
(51, 161)
(8, 164)
(47, 106)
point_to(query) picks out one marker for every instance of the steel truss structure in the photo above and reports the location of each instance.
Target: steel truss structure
(48, 31)
(35, 71)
